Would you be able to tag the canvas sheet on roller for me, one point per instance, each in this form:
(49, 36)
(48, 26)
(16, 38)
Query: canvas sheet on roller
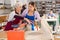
(46, 28)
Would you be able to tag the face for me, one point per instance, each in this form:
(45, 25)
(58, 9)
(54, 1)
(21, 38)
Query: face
(18, 9)
(30, 7)
(51, 12)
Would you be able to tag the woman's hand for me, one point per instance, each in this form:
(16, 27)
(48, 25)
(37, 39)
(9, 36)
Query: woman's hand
(27, 20)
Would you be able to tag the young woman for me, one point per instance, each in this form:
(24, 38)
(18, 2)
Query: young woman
(31, 13)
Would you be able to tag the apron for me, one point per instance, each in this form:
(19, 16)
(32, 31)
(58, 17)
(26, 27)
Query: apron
(31, 18)
(13, 24)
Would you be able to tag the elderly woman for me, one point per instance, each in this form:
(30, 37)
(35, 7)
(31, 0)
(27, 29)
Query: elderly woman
(31, 13)
(15, 19)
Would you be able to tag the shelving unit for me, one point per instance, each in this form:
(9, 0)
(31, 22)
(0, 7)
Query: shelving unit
(45, 6)
(5, 7)
(1, 3)
(40, 7)
(58, 8)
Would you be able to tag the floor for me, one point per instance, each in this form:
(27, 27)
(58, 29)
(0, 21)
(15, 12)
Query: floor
(36, 35)
(30, 35)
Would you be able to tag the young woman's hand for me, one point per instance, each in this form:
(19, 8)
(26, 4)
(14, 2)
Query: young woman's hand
(27, 20)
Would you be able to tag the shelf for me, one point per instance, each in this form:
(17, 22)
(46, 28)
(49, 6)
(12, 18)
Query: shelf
(48, 5)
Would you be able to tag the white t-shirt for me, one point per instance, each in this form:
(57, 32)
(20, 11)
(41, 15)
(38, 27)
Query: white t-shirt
(11, 16)
(51, 15)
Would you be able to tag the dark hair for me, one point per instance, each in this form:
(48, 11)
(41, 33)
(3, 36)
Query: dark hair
(33, 4)
(51, 9)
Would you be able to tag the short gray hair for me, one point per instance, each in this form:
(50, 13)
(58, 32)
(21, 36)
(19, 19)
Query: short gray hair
(17, 4)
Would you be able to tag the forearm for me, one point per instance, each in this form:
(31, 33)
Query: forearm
(27, 20)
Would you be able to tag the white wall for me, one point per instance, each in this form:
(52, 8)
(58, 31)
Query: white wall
(22, 1)
(25, 1)
(40, 0)
(7, 1)
(1, 1)
(13, 2)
